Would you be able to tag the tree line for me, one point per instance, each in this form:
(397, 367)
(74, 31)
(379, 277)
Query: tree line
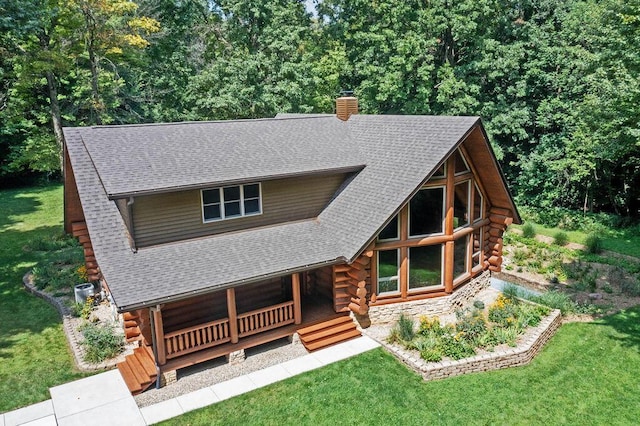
(556, 82)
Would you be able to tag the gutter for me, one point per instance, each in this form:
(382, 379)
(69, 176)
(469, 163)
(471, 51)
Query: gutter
(160, 301)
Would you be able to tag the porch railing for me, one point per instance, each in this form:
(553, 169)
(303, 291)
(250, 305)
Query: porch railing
(265, 319)
(198, 337)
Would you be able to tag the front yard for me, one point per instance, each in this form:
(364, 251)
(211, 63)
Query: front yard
(586, 375)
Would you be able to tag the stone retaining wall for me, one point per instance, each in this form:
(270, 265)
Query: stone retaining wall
(437, 306)
(530, 345)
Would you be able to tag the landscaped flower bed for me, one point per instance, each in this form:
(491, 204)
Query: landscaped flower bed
(476, 328)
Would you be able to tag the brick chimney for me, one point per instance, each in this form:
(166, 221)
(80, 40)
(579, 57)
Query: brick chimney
(346, 105)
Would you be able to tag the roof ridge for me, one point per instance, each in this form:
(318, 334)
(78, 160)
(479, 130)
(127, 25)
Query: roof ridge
(178, 123)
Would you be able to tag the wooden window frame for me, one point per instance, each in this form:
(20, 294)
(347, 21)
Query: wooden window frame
(446, 239)
(242, 200)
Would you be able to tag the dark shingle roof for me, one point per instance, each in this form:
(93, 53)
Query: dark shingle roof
(142, 158)
(399, 154)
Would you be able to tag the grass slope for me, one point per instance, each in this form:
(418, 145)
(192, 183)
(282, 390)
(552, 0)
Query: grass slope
(33, 349)
(587, 375)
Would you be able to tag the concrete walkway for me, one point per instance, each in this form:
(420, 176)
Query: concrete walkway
(104, 400)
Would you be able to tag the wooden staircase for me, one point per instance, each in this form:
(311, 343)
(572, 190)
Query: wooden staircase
(138, 370)
(327, 333)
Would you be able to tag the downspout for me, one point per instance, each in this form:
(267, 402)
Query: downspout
(154, 346)
(131, 227)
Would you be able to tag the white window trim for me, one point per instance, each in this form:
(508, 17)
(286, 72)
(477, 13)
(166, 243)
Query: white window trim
(428, 287)
(444, 213)
(222, 202)
(476, 192)
(466, 164)
(469, 211)
(396, 277)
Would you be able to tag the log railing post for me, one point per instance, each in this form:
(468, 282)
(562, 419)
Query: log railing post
(159, 332)
(233, 317)
(297, 308)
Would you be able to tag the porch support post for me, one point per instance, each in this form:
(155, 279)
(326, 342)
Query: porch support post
(233, 317)
(295, 289)
(159, 332)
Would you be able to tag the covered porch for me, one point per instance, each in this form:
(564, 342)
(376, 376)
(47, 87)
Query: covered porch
(209, 326)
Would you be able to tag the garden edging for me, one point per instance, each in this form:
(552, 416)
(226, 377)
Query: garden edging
(533, 341)
(69, 324)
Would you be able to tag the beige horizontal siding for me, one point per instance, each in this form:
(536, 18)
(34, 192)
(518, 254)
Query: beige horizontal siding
(177, 216)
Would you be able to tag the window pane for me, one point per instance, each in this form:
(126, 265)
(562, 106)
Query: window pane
(388, 271)
(477, 203)
(251, 206)
(425, 266)
(440, 172)
(460, 256)
(251, 191)
(426, 211)
(232, 193)
(232, 209)
(212, 212)
(461, 205)
(390, 232)
(461, 166)
(210, 196)
(477, 247)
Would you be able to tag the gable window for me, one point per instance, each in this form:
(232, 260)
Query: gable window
(426, 211)
(230, 202)
(435, 242)
(391, 231)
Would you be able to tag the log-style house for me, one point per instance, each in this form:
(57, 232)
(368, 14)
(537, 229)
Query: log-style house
(214, 237)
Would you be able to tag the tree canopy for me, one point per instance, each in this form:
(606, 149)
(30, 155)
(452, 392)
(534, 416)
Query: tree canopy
(556, 82)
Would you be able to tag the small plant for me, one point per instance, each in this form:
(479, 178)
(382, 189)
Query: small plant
(403, 331)
(593, 244)
(630, 286)
(87, 308)
(471, 324)
(82, 273)
(560, 239)
(528, 230)
(478, 304)
(101, 342)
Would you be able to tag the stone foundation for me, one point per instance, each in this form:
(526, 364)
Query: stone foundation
(168, 377)
(236, 357)
(437, 306)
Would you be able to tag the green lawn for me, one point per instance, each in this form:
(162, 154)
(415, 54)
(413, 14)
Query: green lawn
(33, 349)
(623, 242)
(587, 375)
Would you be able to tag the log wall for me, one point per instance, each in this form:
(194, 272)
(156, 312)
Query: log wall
(352, 285)
(499, 220)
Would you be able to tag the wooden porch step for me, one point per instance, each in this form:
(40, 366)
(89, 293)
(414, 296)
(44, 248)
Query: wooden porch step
(328, 333)
(129, 378)
(138, 370)
(145, 360)
(324, 324)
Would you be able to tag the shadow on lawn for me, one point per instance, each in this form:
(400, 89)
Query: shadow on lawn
(627, 324)
(20, 311)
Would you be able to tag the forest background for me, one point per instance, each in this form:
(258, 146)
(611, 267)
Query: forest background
(556, 82)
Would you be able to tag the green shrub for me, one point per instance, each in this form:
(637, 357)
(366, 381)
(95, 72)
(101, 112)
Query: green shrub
(432, 327)
(630, 286)
(403, 331)
(593, 244)
(100, 342)
(478, 304)
(560, 239)
(508, 335)
(470, 324)
(528, 230)
(456, 347)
